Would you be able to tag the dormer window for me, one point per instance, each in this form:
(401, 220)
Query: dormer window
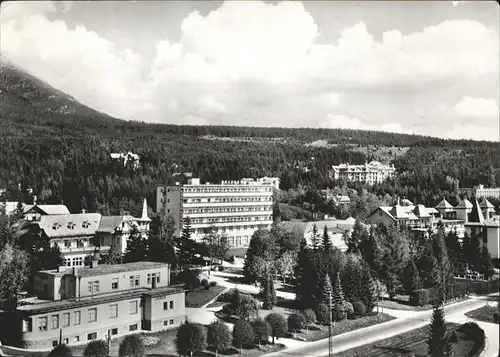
(71, 225)
(56, 226)
(86, 224)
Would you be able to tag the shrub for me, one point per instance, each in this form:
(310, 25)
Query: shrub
(96, 348)
(261, 329)
(213, 283)
(309, 316)
(131, 346)
(495, 317)
(424, 297)
(60, 351)
(278, 325)
(219, 336)
(296, 322)
(204, 283)
(349, 310)
(322, 314)
(191, 338)
(359, 308)
(472, 331)
(454, 337)
(242, 333)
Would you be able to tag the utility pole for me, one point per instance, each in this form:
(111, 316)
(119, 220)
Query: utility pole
(330, 342)
(109, 341)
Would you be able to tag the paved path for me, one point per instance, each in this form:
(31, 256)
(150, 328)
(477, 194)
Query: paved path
(388, 329)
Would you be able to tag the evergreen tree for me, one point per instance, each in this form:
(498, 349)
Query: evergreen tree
(13, 276)
(326, 291)
(486, 266)
(306, 277)
(472, 251)
(338, 293)
(352, 278)
(441, 253)
(136, 250)
(276, 211)
(358, 236)
(327, 244)
(438, 343)
(430, 274)
(260, 246)
(411, 281)
(161, 250)
(372, 251)
(455, 253)
(268, 292)
(315, 237)
(396, 250)
(184, 245)
(369, 295)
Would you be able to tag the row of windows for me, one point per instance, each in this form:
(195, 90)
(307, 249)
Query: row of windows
(230, 229)
(93, 335)
(229, 219)
(227, 199)
(228, 209)
(43, 321)
(225, 189)
(73, 262)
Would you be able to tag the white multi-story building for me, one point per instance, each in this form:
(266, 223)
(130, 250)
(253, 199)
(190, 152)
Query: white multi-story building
(234, 208)
(480, 191)
(370, 173)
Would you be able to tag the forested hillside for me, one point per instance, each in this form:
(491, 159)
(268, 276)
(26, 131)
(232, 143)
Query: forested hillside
(61, 149)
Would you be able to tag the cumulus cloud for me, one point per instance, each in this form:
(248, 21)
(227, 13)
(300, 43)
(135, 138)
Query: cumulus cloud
(258, 61)
(478, 109)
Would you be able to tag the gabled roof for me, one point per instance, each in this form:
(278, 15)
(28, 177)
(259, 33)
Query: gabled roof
(476, 215)
(464, 204)
(67, 225)
(48, 209)
(485, 203)
(109, 224)
(406, 202)
(444, 204)
(421, 211)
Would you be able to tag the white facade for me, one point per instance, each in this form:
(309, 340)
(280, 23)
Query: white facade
(235, 208)
(480, 191)
(370, 173)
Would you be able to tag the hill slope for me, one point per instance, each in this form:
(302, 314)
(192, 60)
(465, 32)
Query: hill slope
(61, 149)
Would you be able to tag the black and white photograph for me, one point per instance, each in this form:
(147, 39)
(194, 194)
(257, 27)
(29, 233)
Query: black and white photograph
(249, 178)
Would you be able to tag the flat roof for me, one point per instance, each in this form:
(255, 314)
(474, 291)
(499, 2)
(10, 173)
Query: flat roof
(39, 306)
(105, 269)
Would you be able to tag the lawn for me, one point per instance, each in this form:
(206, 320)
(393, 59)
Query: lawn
(484, 313)
(200, 297)
(318, 332)
(409, 344)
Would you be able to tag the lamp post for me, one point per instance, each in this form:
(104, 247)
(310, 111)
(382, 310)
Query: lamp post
(330, 343)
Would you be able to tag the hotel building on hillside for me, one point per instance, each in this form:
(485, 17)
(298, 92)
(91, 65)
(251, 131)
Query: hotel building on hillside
(235, 208)
(480, 191)
(82, 304)
(80, 235)
(369, 173)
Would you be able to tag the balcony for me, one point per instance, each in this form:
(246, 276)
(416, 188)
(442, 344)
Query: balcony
(85, 249)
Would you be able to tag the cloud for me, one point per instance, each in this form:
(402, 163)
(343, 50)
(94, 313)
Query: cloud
(477, 109)
(261, 64)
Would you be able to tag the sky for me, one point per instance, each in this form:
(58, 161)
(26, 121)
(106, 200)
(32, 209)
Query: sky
(423, 67)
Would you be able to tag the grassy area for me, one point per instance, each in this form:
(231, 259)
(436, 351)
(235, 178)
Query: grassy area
(484, 313)
(401, 305)
(200, 297)
(409, 344)
(318, 332)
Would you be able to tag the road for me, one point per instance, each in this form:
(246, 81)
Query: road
(379, 332)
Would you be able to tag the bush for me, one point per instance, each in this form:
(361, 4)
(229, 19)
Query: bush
(424, 297)
(359, 308)
(296, 322)
(204, 283)
(213, 283)
(349, 310)
(261, 329)
(309, 316)
(472, 331)
(219, 336)
(191, 338)
(322, 314)
(96, 348)
(60, 351)
(189, 277)
(454, 337)
(131, 346)
(221, 268)
(242, 334)
(495, 317)
(278, 325)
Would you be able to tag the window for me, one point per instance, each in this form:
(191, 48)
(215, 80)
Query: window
(77, 316)
(133, 307)
(113, 331)
(114, 283)
(66, 341)
(134, 280)
(55, 321)
(27, 325)
(113, 311)
(165, 305)
(165, 323)
(77, 338)
(132, 327)
(92, 336)
(157, 278)
(92, 315)
(42, 323)
(171, 304)
(66, 319)
(55, 343)
(96, 286)
(171, 322)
